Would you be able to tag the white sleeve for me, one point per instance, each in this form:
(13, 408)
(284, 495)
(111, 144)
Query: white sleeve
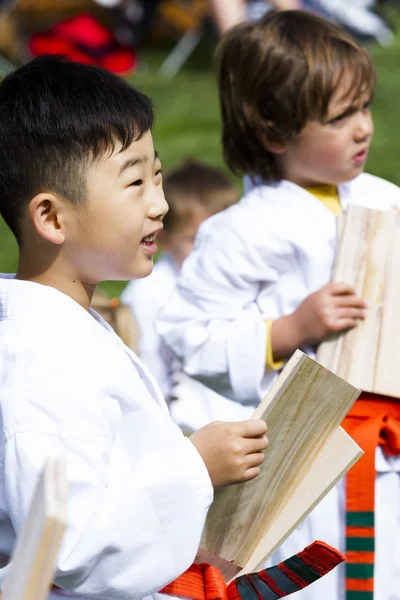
(136, 509)
(212, 323)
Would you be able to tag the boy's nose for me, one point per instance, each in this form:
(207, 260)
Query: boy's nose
(365, 127)
(159, 206)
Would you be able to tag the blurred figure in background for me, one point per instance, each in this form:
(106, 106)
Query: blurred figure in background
(132, 19)
(107, 32)
(118, 316)
(194, 192)
(228, 13)
(356, 16)
(81, 30)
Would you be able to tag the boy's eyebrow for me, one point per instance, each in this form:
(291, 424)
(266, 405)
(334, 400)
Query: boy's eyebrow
(349, 109)
(345, 112)
(133, 161)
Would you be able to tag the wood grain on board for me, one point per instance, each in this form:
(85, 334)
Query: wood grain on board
(337, 456)
(303, 409)
(30, 573)
(369, 259)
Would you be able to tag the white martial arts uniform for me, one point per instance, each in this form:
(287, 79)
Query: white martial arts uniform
(259, 260)
(138, 489)
(192, 405)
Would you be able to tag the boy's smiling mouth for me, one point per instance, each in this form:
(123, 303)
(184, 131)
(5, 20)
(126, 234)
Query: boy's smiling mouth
(148, 242)
(148, 239)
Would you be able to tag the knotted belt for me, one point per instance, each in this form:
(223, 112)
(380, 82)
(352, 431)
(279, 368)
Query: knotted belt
(205, 582)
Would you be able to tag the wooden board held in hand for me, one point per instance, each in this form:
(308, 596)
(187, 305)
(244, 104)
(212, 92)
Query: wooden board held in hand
(336, 457)
(34, 558)
(303, 409)
(369, 260)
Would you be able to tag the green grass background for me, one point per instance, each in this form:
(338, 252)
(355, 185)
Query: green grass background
(188, 123)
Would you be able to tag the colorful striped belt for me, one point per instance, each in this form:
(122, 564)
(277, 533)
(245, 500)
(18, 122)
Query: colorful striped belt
(205, 582)
(373, 421)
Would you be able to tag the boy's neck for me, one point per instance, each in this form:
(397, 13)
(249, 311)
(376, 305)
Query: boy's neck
(54, 277)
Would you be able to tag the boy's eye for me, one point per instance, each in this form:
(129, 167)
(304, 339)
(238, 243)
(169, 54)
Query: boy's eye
(159, 172)
(349, 112)
(338, 118)
(138, 182)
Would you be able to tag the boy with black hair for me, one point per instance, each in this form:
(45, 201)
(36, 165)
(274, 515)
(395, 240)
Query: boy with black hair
(81, 188)
(295, 93)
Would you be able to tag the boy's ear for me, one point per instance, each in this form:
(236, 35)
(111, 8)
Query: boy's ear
(45, 211)
(274, 147)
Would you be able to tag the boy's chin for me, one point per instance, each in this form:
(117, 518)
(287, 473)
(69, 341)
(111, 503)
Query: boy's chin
(143, 271)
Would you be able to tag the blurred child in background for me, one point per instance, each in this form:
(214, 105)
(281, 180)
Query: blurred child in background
(194, 191)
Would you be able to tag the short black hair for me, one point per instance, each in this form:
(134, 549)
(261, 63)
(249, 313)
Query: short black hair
(56, 118)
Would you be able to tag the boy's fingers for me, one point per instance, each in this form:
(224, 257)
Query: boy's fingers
(338, 289)
(255, 459)
(353, 300)
(253, 428)
(250, 474)
(351, 313)
(257, 444)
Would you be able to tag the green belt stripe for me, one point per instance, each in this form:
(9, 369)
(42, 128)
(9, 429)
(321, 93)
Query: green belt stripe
(360, 543)
(360, 519)
(359, 571)
(359, 595)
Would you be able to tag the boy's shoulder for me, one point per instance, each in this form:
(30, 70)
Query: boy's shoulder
(56, 362)
(372, 192)
(367, 179)
(43, 323)
(257, 211)
(259, 228)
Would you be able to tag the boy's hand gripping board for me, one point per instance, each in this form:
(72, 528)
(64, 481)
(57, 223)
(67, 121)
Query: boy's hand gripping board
(308, 454)
(368, 259)
(30, 572)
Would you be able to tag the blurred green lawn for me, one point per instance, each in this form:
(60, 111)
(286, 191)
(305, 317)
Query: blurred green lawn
(188, 124)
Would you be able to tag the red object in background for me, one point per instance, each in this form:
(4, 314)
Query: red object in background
(85, 40)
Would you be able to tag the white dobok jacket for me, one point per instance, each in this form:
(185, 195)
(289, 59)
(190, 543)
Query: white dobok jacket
(257, 260)
(138, 490)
